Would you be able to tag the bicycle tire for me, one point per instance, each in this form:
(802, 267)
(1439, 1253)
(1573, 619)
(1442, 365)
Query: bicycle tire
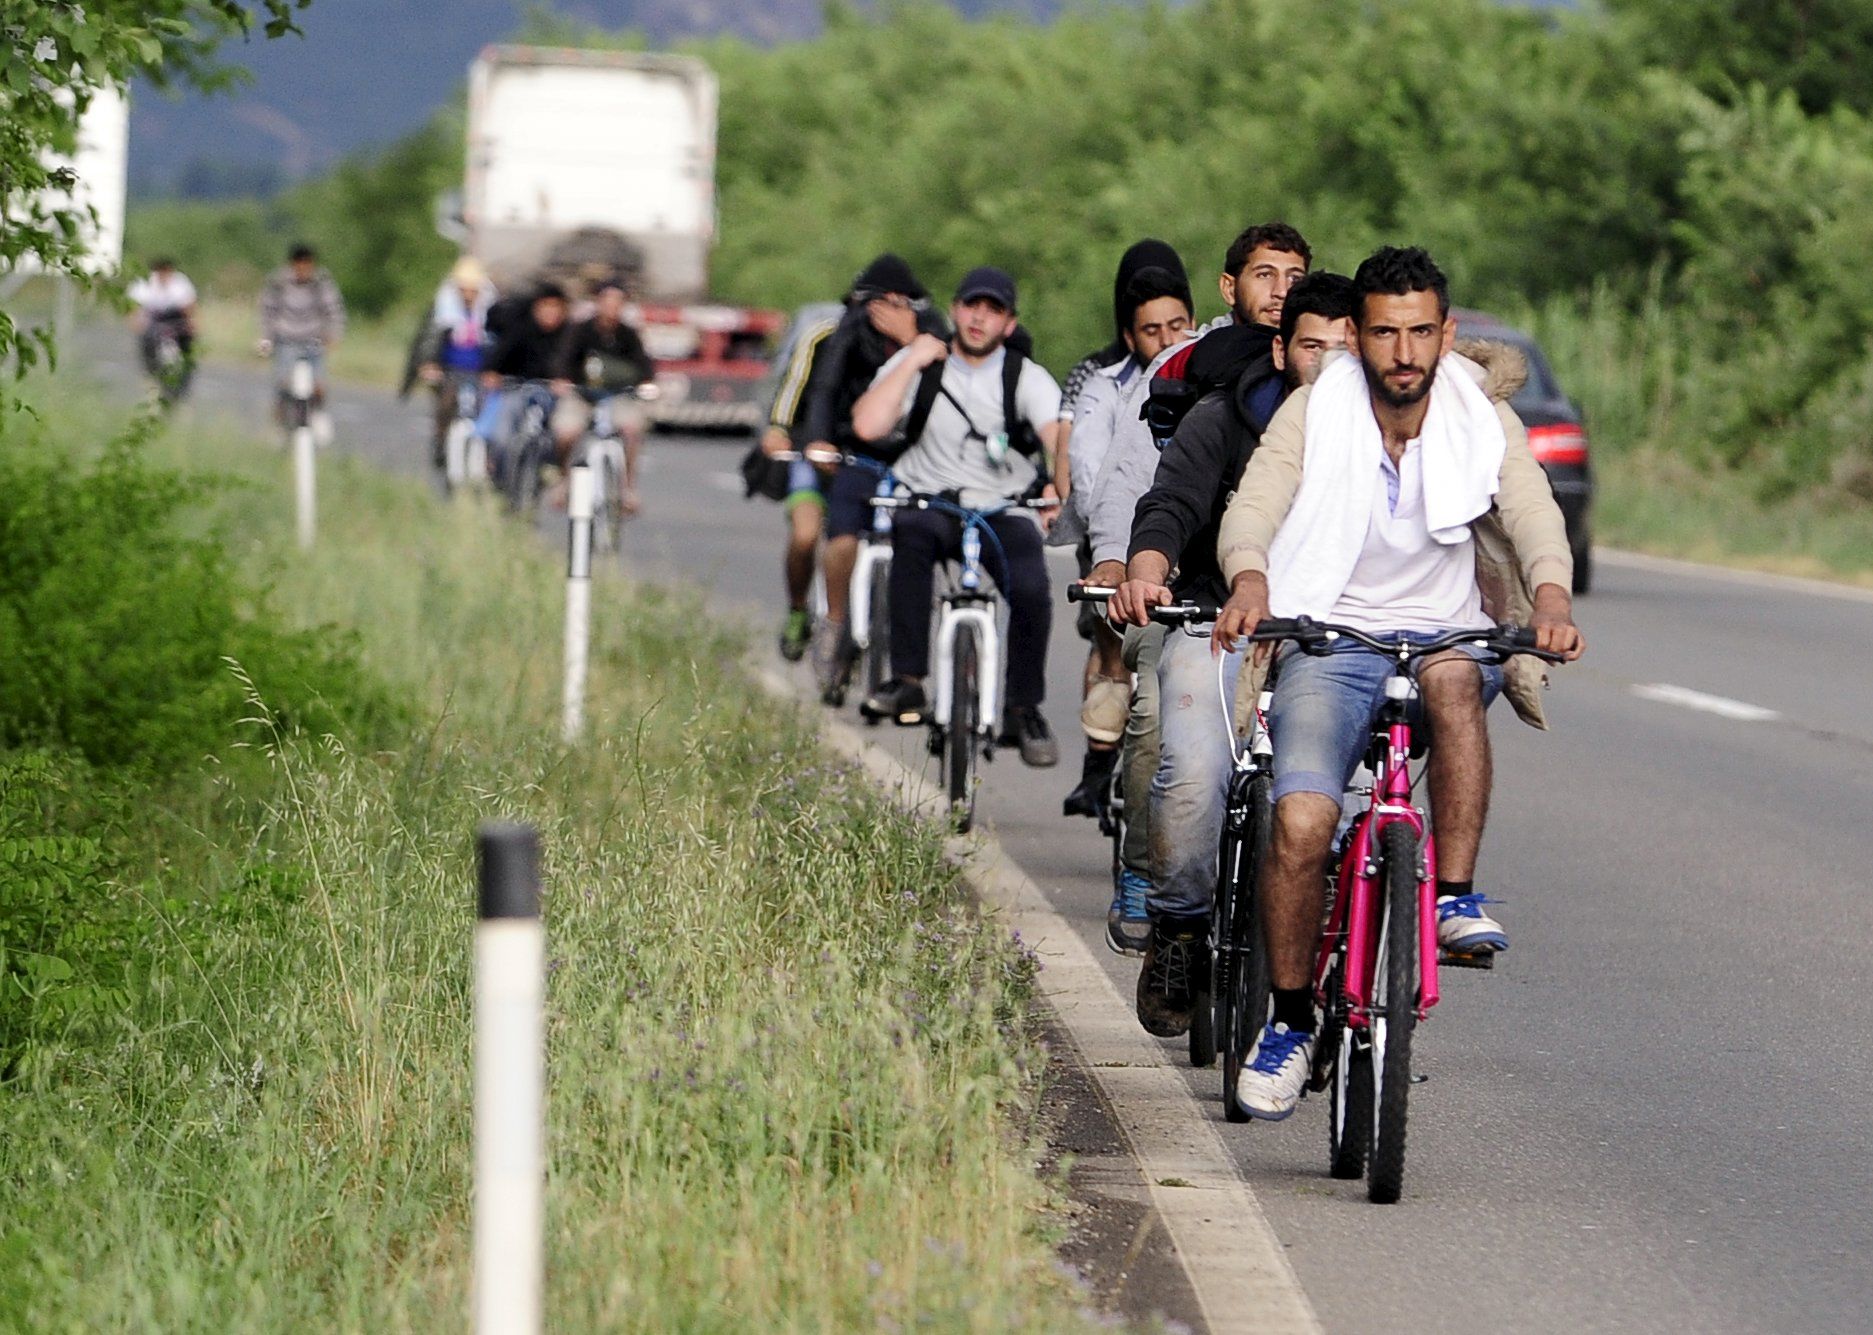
(960, 742)
(608, 518)
(455, 455)
(1349, 1107)
(878, 634)
(523, 491)
(1242, 972)
(1392, 1029)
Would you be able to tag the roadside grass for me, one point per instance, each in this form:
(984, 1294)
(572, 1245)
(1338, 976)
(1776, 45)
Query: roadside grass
(1655, 503)
(790, 1069)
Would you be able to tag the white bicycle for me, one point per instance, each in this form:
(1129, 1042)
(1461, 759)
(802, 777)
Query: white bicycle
(603, 451)
(966, 681)
(464, 452)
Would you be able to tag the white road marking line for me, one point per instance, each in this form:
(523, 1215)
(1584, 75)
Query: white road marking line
(1720, 705)
(1236, 1265)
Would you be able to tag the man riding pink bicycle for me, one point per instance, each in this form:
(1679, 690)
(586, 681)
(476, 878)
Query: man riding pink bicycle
(1396, 496)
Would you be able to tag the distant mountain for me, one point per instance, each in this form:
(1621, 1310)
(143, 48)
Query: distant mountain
(368, 71)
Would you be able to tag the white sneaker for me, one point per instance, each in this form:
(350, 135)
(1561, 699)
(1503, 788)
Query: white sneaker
(1463, 927)
(1274, 1073)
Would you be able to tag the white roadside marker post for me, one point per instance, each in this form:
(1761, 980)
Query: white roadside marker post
(302, 388)
(578, 599)
(510, 1076)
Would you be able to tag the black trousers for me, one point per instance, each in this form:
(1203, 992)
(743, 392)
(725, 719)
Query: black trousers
(921, 538)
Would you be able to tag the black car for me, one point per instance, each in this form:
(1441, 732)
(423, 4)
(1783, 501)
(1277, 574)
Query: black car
(1556, 434)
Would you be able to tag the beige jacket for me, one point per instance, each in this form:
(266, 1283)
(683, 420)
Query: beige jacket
(1521, 543)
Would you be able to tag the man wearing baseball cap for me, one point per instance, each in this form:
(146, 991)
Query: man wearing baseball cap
(973, 420)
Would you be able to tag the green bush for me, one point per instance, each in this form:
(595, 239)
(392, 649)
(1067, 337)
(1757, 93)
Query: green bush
(119, 622)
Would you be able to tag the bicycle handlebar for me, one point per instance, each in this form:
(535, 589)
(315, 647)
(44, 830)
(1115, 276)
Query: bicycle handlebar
(1167, 614)
(1319, 637)
(921, 501)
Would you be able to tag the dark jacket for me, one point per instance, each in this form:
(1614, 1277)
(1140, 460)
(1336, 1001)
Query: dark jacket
(622, 361)
(525, 351)
(845, 364)
(1181, 514)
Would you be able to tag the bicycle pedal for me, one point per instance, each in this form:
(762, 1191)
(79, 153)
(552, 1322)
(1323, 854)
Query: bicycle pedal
(1466, 959)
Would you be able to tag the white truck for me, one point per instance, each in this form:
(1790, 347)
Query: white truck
(589, 164)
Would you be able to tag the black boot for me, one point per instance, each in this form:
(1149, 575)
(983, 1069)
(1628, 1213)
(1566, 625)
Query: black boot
(1089, 798)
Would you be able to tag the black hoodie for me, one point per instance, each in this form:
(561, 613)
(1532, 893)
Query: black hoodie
(1182, 513)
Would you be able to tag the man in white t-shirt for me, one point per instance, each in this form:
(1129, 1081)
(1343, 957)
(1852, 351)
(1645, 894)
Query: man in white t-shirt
(965, 440)
(165, 299)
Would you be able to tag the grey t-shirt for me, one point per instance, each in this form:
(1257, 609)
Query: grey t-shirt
(953, 453)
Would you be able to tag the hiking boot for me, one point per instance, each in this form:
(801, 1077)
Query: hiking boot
(900, 701)
(1023, 726)
(1089, 798)
(1128, 925)
(796, 632)
(1167, 986)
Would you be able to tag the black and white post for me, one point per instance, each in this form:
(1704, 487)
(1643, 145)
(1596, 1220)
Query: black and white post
(578, 599)
(510, 1078)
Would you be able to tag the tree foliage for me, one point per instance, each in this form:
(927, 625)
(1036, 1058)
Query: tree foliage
(57, 55)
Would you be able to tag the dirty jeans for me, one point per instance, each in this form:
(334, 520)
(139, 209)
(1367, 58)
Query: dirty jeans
(1192, 781)
(1143, 644)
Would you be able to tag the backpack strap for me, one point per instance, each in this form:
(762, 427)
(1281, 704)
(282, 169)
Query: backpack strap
(1020, 434)
(929, 386)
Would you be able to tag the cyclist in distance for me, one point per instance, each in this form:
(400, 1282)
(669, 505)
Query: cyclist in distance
(964, 448)
(457, 339)
(1360, 507)
(886, 308)
(805, 501)
(1105, 691)
(165, 299)
(1172, 526)
(605, 354)
(302, 314)
(534, 346)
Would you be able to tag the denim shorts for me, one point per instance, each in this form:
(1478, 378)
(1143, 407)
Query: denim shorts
(1323, 712)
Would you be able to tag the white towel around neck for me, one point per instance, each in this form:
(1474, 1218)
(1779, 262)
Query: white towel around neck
(1460, 446)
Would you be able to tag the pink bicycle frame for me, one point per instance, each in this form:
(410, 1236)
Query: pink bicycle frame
(1355, 906)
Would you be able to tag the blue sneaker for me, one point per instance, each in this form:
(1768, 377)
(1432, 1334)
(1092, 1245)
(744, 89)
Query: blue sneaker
(1275, 1072)
(1464, 929)
(1128, 926)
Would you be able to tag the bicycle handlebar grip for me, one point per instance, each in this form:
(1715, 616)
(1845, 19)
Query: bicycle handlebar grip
(1284, 628)
(1522, 637)
(1088, 593)
(1181, 614)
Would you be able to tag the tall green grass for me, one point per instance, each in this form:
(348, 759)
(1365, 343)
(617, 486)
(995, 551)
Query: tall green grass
(790, 1069)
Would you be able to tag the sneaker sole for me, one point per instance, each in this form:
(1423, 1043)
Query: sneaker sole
(1492, 941)
(1119, 946)
(1263, 1115)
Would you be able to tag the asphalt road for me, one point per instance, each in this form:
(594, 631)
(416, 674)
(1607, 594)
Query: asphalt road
(1657, 1111)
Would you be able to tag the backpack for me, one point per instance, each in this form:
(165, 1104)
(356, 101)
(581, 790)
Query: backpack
(1214, 361)
(930, 386)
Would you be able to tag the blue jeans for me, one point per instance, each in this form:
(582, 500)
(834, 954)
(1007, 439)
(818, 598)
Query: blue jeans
(1323, 712)
(1192, 782)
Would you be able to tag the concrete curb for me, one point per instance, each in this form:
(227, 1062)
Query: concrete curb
(1230, 1254)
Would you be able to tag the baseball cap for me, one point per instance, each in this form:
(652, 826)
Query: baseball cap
(990, 282)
